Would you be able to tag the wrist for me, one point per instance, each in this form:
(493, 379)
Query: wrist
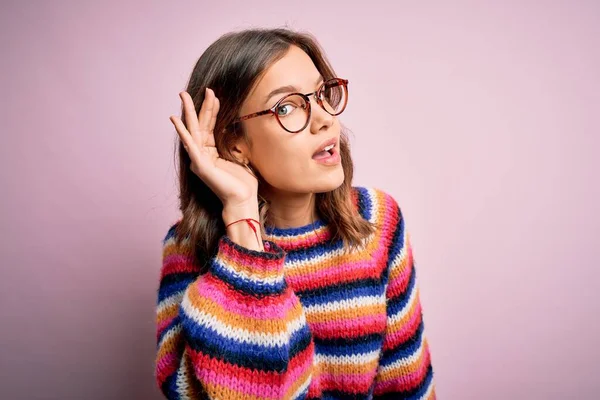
(240, 229)
(234, 213)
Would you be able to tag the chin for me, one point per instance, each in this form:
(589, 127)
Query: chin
(330, 181)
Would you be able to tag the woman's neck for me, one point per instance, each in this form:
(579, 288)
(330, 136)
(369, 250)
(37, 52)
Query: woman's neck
(290, 210)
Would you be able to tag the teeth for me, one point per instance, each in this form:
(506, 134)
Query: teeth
(328, 147)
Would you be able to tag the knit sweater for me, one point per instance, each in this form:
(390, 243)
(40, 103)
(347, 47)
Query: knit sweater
(300, 320)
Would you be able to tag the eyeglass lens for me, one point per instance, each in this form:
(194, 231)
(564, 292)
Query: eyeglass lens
(293, 111)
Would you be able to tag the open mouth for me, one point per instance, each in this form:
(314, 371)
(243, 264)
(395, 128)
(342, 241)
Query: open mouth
(328, 151)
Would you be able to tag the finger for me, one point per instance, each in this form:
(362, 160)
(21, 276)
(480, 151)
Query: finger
(186, 138)
(206, 112)
(215, 112)
(192, 148)
(204, 169)
(189, 111)
(183, 133)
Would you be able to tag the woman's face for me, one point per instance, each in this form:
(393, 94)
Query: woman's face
(284, 159)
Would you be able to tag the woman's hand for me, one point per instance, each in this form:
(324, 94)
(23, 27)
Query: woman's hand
(232, 183)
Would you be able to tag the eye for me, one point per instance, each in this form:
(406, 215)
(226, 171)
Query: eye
(286, 108)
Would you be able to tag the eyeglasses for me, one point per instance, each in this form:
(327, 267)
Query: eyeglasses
(293, 111)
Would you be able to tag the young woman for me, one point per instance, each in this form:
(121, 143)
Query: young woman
(282, 280)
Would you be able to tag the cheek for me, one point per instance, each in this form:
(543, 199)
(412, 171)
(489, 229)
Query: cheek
(286, 168)
(279, 163)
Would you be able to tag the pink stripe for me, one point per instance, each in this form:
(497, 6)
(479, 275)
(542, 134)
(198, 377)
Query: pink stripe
(251, 388)
(348, 268)
(338, 271)
(352, 380)
(177, 258)
(260, 265)
(387, 218)
(301, 368)
(347, 324)
(161, 326)
(406, 331)
(263, 312)
(308, 240)
(166, 365)
(402, 279)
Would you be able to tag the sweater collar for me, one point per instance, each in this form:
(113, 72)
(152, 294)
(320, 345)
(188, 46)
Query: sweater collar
(305, 236)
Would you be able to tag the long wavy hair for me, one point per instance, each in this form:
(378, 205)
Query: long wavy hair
(231, 66)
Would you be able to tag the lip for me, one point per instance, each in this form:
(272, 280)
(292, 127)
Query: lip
(334, 159)
(326, 143)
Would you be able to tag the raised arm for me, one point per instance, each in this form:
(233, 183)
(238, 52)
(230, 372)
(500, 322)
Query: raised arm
(236, 332)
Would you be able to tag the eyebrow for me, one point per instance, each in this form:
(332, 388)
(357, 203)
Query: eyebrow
(288, 89)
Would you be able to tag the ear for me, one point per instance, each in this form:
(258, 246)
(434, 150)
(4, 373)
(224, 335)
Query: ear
(240, 151)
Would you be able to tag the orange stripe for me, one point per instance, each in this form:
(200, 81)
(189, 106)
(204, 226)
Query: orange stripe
(400, 268)
(173, 248)
(432, 394)
(357, 369)
(345, 313)
(168, 346)
(167, 312)
(224, 392)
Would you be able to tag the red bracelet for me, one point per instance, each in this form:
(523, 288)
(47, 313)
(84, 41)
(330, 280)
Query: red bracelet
(251, 226)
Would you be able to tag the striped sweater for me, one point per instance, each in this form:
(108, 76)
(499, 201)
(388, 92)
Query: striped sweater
(300, 320)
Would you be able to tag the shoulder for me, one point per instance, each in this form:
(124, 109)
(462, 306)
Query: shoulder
(171, 234)
(381, 208)
(173, 242)
(177, 248)
(377, 205)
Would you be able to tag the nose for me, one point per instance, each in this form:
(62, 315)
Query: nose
(320, 119)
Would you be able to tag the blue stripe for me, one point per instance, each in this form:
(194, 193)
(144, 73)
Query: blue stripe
(361, 287)
(174, 283)
(424, 385)
(405, 349)
(344, 347)
(169, 290)
(170, 233)
(398, 303)
(245, 285)
(302, 255)
(169, 387)
(396, 245)
(365, 203)
(267, 358)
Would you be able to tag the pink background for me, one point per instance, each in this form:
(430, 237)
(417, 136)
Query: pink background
(481, 119)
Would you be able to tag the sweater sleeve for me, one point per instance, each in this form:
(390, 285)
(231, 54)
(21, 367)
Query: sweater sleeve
(405, 370)
(237, 331)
